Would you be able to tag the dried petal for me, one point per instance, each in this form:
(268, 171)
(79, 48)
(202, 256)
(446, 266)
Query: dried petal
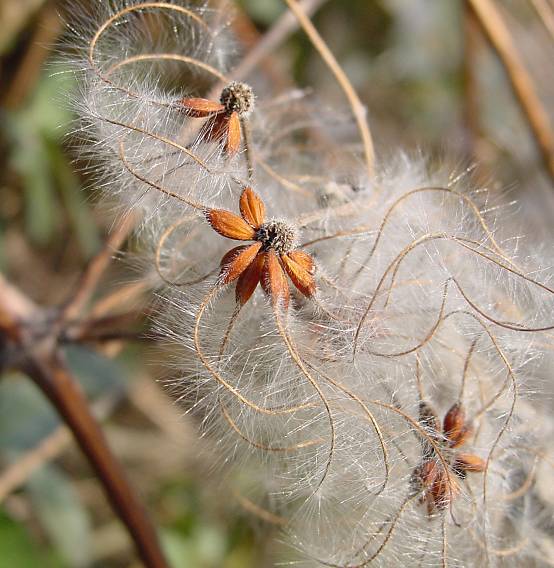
(249, 279)
(304, 259)
(424, 478)
(300, 277)
(215, 129)
(252, 208)
(200, 108)
(236, 261)
(230, 225)
(438, 489)
(424, 475)
(454, 426)
(232, 141)
(230, 255)
(468, 462)
(274, 281)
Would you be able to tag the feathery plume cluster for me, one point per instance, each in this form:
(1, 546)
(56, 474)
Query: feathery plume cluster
(382, 378)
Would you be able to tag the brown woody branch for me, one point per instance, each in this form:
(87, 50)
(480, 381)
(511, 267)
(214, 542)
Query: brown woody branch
(38, 355)
(53, 378)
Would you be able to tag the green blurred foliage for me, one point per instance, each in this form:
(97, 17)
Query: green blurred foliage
(35, 135)
(19, 549)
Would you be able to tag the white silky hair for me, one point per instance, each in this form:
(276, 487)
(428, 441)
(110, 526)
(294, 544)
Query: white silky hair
(424, 293)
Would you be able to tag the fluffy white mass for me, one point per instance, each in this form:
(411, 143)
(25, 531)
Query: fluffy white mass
(424, 301)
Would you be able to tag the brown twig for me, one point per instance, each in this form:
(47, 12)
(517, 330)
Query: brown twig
(358, 109)
(546, 14)
(39, 357)
(52, 377)
(47, 449)
(282, 28)
(47, 30)
(250, 37)
(497, 33)
(472, 125)
(18, 473)
(94, 271)
(125, 296)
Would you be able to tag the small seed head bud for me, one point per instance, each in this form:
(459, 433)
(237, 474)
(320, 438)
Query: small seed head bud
(277, 235)
(238, 97)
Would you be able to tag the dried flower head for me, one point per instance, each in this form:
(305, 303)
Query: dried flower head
(265, 261)
(237, 101)
(431, 478)
(238, 98)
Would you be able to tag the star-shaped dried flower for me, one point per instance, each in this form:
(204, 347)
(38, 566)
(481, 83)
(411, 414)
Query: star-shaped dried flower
(236, 102)
(437, 486)
(268, 259)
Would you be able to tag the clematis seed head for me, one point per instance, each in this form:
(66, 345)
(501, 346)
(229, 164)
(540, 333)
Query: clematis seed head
(238, 97)
(278, 236)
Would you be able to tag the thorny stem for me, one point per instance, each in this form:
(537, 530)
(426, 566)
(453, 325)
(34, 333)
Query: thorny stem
(358, 109)
(496, 31)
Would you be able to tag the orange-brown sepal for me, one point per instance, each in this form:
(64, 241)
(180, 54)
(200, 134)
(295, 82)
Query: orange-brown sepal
(304, 259)
(438, 489)
(455, 427)
(233, 136)
(301, 278)
(249, 279)
(237, 261)
(252, 208)
(274, 281)
(230, 225)
(200, 108)
(468, 462)
(216, 128)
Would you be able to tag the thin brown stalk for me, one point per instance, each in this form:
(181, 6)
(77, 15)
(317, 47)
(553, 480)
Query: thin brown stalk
(258, 511)
(471, 110)
(127, 295)
(96, 268)
(16, 474)
(358, 109)
(546, 14)
(47, 30)
(282, 28)
(49, 448)
(497, 33)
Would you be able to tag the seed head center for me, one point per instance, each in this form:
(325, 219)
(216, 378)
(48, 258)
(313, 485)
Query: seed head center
(238, 97)
(277, 236)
